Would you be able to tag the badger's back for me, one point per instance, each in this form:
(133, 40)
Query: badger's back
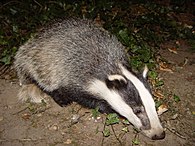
(69, 52)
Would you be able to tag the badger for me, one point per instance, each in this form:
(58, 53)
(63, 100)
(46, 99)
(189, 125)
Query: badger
(74, 60)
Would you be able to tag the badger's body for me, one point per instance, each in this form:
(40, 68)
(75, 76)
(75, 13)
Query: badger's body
(73, 60)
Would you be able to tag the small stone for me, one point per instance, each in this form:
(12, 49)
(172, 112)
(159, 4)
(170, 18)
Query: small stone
(98, 118)
(1, 119)
(39, 115)
(53, 128)
(174, 116)
(68, 141)
(75, 118)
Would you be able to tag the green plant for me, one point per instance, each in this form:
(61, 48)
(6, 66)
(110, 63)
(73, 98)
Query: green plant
(95, 112)
(112, 118)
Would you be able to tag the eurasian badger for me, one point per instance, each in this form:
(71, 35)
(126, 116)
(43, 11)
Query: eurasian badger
(74, 60)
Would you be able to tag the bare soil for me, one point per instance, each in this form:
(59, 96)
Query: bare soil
(25, 124)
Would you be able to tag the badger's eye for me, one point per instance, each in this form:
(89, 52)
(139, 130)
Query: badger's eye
(137, 110)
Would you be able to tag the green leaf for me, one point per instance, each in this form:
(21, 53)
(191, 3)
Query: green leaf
(3, 41)
(176, 98)
(125, 121)
(158, 103)
(15, 28)
(135, 142)
(125, 129)
(6, 60)
(152, 74)
(95, 112)
(106, 132)
(124, 36)
(159, 83)
(97, 130)
(112, 119)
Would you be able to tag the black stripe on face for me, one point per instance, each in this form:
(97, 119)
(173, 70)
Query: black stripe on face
(141, 114)
(131, 96)
(116, 84)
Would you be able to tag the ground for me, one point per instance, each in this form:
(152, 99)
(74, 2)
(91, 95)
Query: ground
(25, 124)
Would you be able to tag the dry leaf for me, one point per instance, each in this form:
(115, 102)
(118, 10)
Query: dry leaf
(161, 109)
(26, 116)
(177, 43)
(184, 63)
(158, 94)
(173, 50)
(164, 67)
(68, 141)
(193, 112)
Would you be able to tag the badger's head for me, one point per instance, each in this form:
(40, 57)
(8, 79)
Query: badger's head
(131, 97)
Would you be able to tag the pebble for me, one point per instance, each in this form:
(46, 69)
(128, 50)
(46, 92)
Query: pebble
(39, 115)
(1, 119)
(68, 141)
(75, 118)
(54, 128)
(174, 116)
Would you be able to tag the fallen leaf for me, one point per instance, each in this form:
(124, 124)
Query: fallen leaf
(193, 113)
(26, 116)
(164, 67)
(158, 94)
(161, 109)
(68, 141)
(173, 50)
(183, 63)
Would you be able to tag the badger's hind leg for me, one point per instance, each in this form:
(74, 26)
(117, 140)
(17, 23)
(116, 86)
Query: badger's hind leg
(31, 93)
(60, 97)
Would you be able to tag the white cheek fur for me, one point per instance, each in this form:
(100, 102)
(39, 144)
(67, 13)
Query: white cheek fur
(100, 89)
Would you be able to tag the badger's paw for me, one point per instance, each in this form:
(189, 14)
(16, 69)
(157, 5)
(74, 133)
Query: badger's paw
(32, 93)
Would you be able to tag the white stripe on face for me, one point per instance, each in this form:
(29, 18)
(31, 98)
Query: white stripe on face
(146, 98)
(99, 88)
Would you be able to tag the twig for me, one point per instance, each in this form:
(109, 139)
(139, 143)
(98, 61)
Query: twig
(40, 110)
(38, 5)
(20, 111)
(116, 135)
(135, 137)
(102, 143)
(29, 139)
(176, 133)
(10, 3)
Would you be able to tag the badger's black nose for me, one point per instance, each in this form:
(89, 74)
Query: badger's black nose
(158, 137)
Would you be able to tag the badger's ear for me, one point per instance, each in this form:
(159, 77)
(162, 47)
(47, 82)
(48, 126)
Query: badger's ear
(145, 72)
(116, 81)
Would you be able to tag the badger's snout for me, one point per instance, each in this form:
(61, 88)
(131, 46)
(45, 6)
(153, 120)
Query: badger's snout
(155, 134)
(159, 136)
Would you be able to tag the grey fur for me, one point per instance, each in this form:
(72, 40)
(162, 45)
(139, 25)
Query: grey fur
(69, 52)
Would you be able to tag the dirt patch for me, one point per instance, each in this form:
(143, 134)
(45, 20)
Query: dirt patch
(25, 124)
